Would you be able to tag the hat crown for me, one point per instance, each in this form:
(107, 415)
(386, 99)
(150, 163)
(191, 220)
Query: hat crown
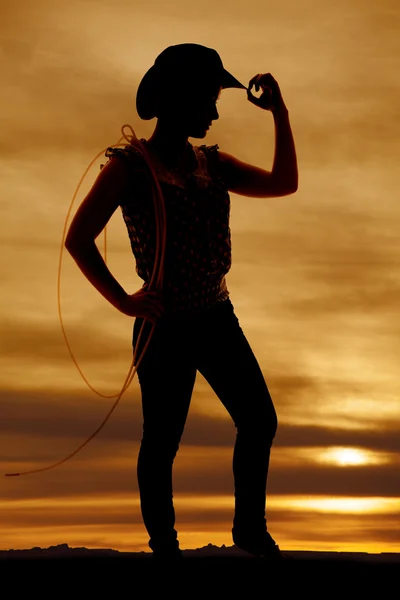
(189, 55)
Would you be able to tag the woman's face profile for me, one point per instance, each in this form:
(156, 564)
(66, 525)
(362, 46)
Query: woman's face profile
(191, 110)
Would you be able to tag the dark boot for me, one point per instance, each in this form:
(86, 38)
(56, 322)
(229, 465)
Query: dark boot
(257, 544)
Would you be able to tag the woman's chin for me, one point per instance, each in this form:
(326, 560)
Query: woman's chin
(199, 132)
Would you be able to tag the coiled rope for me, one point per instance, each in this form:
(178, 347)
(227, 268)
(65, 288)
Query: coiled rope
(156, 283)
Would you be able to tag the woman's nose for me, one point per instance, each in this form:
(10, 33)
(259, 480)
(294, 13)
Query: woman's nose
(215, 114)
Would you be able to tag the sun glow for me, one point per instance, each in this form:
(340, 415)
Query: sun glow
(346, 504)
(349, 457)
(114, 504)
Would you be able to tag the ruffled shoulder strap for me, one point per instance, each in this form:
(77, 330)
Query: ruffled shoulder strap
(214, 165)
(131, 154)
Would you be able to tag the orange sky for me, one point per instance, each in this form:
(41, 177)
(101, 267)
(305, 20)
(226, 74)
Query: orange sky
(315, 279)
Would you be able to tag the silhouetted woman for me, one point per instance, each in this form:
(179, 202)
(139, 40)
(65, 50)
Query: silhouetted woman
(196, 326)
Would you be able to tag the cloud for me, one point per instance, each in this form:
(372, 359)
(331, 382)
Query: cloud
(36, 431)
(93, 76)
(336, 532)
(115, 522)
(61, 416)
(385, 439)
(43, 342)
(314, 277)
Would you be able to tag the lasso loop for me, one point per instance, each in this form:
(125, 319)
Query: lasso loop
(155, 282)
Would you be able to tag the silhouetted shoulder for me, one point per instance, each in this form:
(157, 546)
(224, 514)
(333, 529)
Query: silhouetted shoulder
(134, 165)
(130, 155)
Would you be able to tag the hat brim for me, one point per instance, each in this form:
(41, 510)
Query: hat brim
(147, 92)
(229, 81)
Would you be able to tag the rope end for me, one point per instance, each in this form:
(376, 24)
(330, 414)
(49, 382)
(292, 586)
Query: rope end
(12, 474)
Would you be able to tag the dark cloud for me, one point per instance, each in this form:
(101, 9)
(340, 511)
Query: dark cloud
(372, 481)
(383, 439)
(37, 433)
(345, 529)
(341, 527)
(192, 475)
(62, 416)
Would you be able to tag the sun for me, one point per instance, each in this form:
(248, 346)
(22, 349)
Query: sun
(346, 457)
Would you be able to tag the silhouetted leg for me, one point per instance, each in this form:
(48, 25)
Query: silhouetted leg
(227, 362)
(166, 379)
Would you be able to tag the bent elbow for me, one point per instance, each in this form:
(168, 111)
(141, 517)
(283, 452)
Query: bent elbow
(292, 189)
(285, 186)
(74, 245)
(287, 190)
(70, 244)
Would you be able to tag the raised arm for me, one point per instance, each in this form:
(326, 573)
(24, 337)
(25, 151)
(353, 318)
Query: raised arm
(247, 179)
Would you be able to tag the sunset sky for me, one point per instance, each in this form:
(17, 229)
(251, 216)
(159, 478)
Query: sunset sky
(315, 279)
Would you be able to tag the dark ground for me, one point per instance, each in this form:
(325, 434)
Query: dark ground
(106, 574)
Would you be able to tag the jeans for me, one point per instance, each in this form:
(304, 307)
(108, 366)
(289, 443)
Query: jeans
(214, 344)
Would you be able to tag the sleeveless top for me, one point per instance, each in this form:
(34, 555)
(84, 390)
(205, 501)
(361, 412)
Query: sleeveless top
(198, 241)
